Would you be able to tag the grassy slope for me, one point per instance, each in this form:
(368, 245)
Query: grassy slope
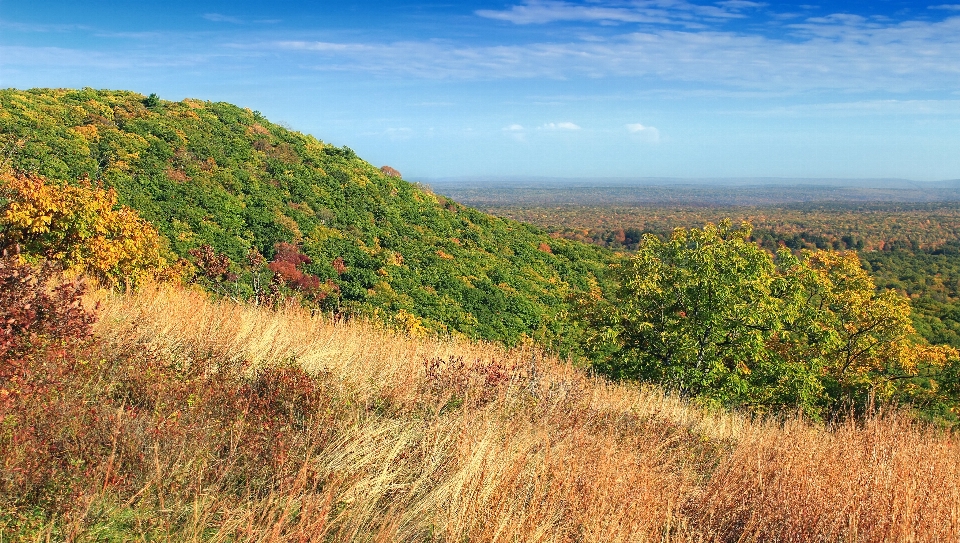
(218, 174)
(178, 439)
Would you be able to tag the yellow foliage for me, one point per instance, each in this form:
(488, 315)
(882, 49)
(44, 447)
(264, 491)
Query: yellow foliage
(89, 132)
(861, 337)
(82, 227)
(410, 324)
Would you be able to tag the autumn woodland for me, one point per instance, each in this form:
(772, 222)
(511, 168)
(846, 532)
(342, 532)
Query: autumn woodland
(215, 328)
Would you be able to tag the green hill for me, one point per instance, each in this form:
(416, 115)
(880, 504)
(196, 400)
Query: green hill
(216, 174)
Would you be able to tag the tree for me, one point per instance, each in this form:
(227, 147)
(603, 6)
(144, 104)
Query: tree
(152, 101)
(712, 315)
(390, 171)
(82, 228)
(860, 341)
(693, 312)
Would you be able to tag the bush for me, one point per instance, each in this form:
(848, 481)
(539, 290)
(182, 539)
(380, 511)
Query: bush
(33, 312)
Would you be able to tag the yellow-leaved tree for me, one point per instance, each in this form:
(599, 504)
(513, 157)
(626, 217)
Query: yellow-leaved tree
(860, 340)
(81, 227)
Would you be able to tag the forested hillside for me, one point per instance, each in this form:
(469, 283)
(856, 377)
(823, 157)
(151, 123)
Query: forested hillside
(117, 186)
(222, 181)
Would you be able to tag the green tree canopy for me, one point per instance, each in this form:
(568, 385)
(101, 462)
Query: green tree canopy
(713, 315)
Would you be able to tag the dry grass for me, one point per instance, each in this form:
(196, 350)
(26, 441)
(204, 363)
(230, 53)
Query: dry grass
(208, 432)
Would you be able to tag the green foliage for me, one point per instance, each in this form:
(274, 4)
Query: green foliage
(213, 174)
(692, 312)
(152, 101)
(931, 278)
(713, 315)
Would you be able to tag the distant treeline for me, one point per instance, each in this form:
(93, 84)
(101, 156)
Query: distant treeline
(695, 193)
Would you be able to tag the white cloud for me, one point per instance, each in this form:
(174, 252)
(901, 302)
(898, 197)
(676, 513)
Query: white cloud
(838, 52)
(516, 132)
(560, 126)
(43, 58)
(951, 7)
(833, 52)
(833, 110)
(548, 12)
(742, 4)
(324, 46)
(646, 134)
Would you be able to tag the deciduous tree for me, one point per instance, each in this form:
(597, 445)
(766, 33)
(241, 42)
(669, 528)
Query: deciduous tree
(81, 227)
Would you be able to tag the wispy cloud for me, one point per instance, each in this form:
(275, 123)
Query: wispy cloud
(677, 12)
(220, 18)
(828, 52)
(560, 126)
(839, 52)
(52, 58)
(646, 134)
(33, 27)
(516, 132)
(950, 7)
(132, 35)
(859, 108)
(742, 4)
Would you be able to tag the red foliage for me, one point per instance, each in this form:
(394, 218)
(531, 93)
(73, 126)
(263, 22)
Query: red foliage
(339, 266)
(31, 314)
(215, 266)
(288, 252)
(286, 269)
(77, 422)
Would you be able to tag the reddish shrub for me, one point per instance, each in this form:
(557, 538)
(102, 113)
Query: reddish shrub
(288, 252)
(213, 265)
(31, 313)
(390, 172)
(286, 268)
(43, 325)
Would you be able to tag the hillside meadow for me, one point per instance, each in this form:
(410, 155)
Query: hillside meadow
(182, 418)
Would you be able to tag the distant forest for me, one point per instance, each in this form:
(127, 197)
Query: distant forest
(551, 192)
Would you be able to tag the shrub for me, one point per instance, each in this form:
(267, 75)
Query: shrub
(390, 172)
(286, 268)
(32, 313)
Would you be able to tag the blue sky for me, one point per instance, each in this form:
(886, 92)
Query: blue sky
(677, 88)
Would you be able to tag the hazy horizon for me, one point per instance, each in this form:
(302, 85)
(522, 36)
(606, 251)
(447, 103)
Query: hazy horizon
(666, 181)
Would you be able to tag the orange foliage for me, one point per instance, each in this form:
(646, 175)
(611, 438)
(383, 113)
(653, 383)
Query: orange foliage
(83, 228)
(390, 172)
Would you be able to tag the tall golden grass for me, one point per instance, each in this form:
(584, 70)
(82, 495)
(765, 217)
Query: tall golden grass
(409, 439)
